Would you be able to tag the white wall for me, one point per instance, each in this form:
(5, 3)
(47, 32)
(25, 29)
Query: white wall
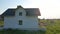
(29, 22)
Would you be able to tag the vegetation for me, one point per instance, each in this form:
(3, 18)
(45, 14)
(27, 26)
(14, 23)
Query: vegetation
(53, 27)
(20, 32)
(1, 23)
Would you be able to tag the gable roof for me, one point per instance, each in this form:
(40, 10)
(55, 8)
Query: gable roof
(29, 12)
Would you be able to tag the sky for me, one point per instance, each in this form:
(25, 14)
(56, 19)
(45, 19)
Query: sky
(49, 9)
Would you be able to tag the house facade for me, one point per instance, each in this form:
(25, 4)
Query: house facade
(21, 18)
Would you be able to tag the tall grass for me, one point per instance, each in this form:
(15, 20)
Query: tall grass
(52, 28)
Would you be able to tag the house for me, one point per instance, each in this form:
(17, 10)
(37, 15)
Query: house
(21, 18)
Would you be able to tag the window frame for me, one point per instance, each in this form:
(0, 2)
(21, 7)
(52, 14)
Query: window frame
(20, 22)
(20, 13)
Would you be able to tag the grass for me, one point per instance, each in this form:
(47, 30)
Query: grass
(52, 28)
(1, 23)
(20, 32)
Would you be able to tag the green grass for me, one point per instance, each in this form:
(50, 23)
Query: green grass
(20, 32)
(52, 28)
(1, 23)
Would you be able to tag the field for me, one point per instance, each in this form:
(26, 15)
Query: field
(1, 23)
(52, 27)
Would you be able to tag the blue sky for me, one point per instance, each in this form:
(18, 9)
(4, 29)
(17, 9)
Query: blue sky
(4, 4)
(48, 8)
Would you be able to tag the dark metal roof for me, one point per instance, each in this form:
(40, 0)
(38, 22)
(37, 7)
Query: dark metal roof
(9, 12)
(29, 12)
(32, 12)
